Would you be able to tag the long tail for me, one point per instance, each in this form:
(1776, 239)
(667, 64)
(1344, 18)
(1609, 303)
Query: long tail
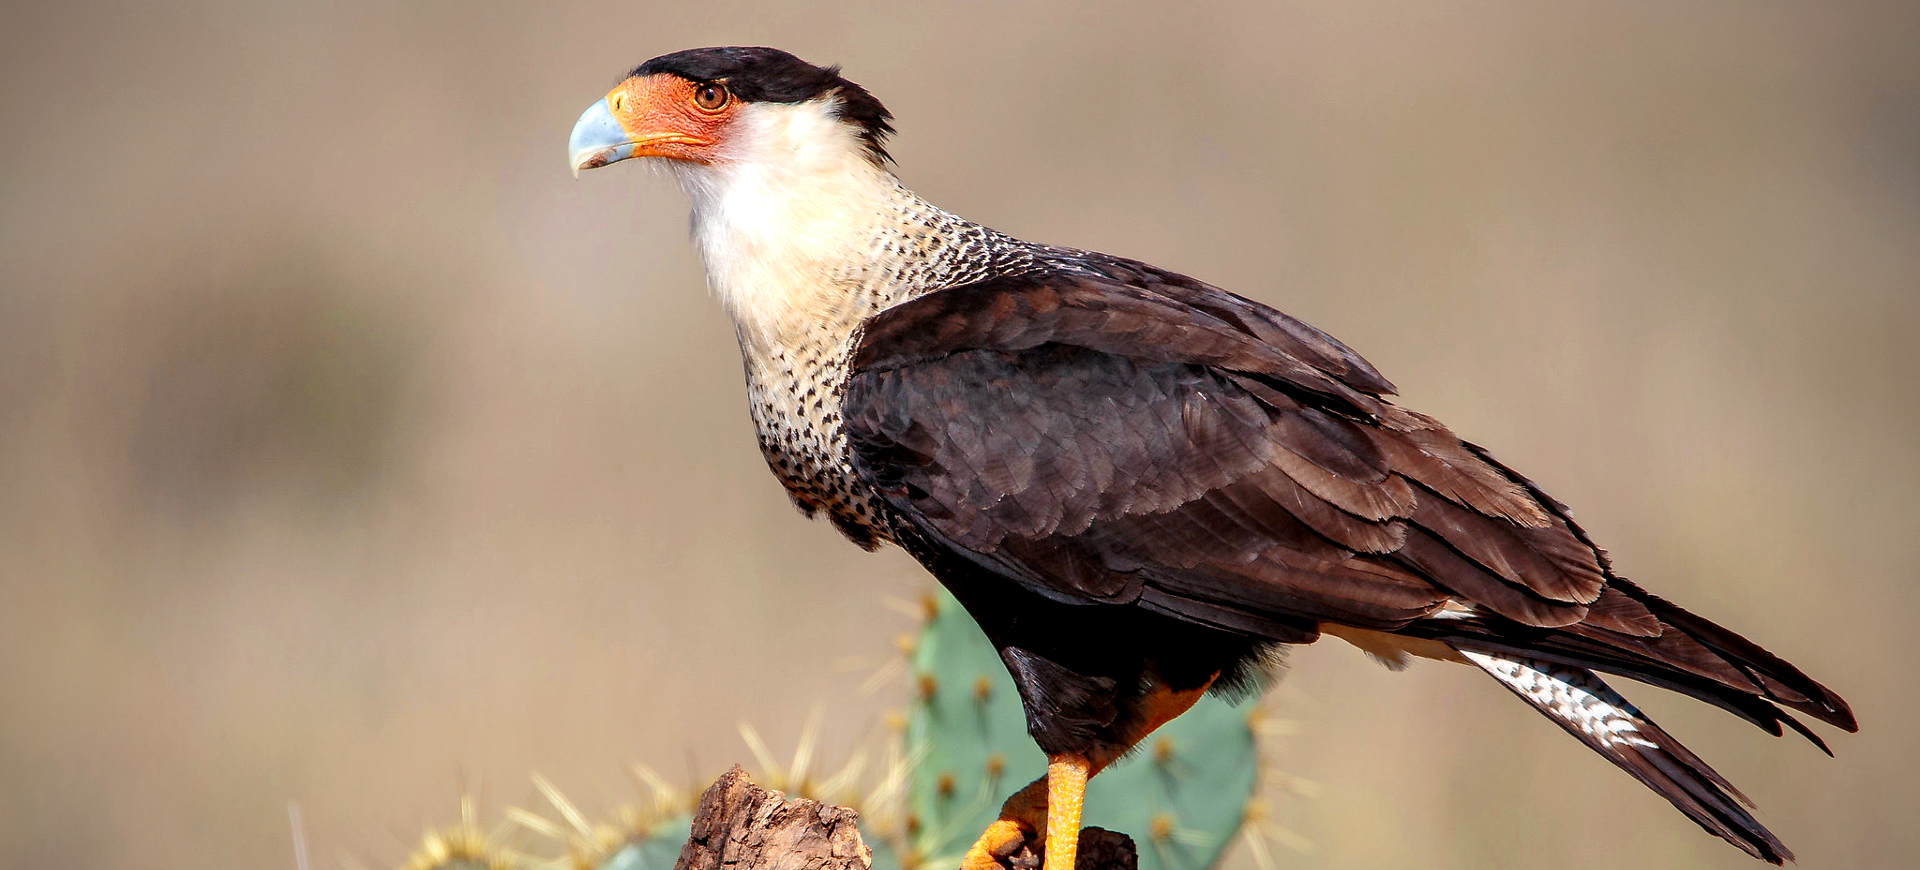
(1662, 644)
(1577, 700)
(1674, 650)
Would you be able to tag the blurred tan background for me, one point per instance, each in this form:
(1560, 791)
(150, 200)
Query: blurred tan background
(350, 451)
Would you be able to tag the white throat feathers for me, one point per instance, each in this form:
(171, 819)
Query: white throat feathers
(791, 218)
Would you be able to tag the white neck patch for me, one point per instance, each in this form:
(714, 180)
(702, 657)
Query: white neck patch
(784, 214)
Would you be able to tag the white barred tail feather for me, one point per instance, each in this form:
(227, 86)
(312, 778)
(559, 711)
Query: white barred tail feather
(1579, 701)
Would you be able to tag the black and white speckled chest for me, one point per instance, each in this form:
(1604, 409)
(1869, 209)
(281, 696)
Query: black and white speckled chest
(796, 388)
(795, 395)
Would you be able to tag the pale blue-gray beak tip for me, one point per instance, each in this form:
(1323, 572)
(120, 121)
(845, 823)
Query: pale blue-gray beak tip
(597, 140)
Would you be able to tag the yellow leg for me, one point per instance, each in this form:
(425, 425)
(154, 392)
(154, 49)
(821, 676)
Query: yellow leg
(1053, 802)
(1066, 794)
(1050, 804)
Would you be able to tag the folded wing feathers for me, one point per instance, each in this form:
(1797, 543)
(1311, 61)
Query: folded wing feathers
(1779, 680)
(1617, 612)
(1337, 457)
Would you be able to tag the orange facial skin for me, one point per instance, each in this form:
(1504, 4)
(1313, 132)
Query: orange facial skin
(661, 114)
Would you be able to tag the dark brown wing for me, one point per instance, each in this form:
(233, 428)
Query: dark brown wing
(1122, 434)
(1113, 441)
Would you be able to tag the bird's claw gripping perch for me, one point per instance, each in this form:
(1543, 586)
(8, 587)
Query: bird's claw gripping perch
(1051, 804)
(996, 845)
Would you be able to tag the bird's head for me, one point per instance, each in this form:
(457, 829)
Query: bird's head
(785, 166)
(720, 106)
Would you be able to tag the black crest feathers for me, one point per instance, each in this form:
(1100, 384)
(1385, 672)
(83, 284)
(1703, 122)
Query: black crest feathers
(769, 75)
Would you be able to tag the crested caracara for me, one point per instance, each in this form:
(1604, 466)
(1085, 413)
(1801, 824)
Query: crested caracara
(1138, 484)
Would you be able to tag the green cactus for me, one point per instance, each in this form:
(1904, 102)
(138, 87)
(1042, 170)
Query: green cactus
(1182, 798)
(657, 851)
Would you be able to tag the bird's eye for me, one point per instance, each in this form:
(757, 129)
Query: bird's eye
(710, 97)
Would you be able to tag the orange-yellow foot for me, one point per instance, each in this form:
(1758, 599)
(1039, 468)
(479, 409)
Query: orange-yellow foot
(1022, 817)
(1001, 839)
(1050, 804)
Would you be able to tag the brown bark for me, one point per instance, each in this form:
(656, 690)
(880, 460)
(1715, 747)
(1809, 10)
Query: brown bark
(741, 826)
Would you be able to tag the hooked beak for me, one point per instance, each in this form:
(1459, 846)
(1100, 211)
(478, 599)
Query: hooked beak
(598, 139)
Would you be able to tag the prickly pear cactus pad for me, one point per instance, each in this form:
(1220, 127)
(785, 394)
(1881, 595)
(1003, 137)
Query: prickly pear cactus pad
(658, 851)
(1182, 796)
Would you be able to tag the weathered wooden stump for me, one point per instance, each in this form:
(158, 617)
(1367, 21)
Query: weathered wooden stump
(741, 826)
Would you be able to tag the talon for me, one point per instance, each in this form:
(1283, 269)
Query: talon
(1051, 804)
(997, 844)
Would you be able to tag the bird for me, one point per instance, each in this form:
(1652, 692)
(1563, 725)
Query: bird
(1142, 487)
